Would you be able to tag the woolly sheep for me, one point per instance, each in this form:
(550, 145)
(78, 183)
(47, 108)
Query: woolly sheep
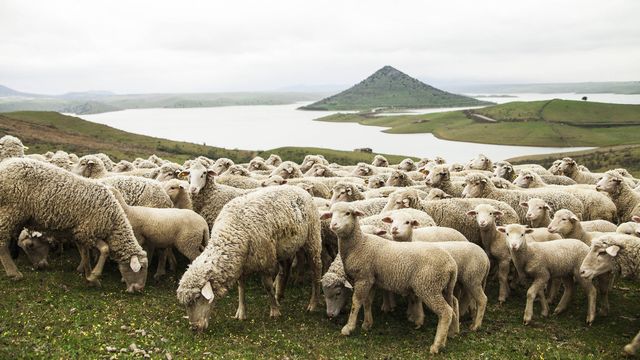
(426, 272)
(567, 224)
(240, 182)
(106, 160)
(88, 211)
(437, 194)
(336, 288)
(259, 164)
(168, 171)
(321, 170)
(221, 165)
(11, 146)
(253, 234)
(380, 161)
(310, 160)
(273, 180)
(407, 165)
(375, 182)
(90, 166)
(480, 162)
(61, 159)
(400, 179)
(480, 186)
(139, 191)
(318, 190)
(626, 200)
(423, 219)
(123, 166)
(611, 254)
(287, 170)
(543, 261)
(456, 167)
(440, 177)
(630, 228)
(346, 191)
(569, 168)
(178, 191)
(364, 169)
(273, 160)
(165, 228)
(404, 227)
(538, 215)
(35, 246)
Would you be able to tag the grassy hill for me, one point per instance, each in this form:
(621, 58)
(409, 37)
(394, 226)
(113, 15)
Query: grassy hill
(553, 123)
(613, 87)
(391, 88)
(45, 131)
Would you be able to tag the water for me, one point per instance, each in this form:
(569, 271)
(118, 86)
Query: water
(264, 127)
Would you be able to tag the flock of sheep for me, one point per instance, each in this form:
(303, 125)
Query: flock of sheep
(428, 231)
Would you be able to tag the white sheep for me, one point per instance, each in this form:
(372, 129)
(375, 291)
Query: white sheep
(626, 200)
(253, 234)
(380, 161)
(287, 170)
(440, 177)
(11, 146)
(630, 228)
(570, 168)
(310, 160)
(273, 160)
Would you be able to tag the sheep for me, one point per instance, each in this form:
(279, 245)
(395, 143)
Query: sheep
(614, 253)
(382, 192)
(400, 179)
(568, 225)
(423, 219)
(375, 182)
(273, 181)
(440, 177)
(106, 160)
(626, 200)
(178, 191)
(166, 228)
(237, 170)
(480, 186)
(318, 190)
(404, 228)
(538, 216)
(596, 205)
(221, 165)
(146, 164)
(139, 191)
(61, 159)
(346, 191)
(310, 160)
(156, 160)
(407, 165)
(456, 167)
(321, 170)
(630, 228)
(287, 170)
(363, 169)
(168, 171)
(504, 170)
(570, 169)
(336, 288)
(369, 207)
(450, 212)
(38, 157)
(240, 182)
(426, 272)
(273, 160)
(543, 261)
(90, 166)
(321, 203)
(254, 234)
(380, 161)
(480, 162)
(123, 166)
(598, 225)
(35, 246)
(501, 183)
(259, 164)
(45, 197)
(207, 196)
(437, 194)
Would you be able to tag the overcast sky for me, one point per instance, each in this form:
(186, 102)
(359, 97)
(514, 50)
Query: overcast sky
(233, 45)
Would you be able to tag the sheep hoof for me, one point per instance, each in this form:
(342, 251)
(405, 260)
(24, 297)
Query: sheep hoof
(474, 327)
(526, 321)
(628, 350)
(240, 315)
(434, 349)
(17, 276)
(418, 326)
(346, 331)
(94, 283)
(274, 313)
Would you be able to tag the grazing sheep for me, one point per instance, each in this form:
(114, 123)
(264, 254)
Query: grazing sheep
(440, 177)
(90, 166)
(287, 170)
(336, 288)
(570, 169)
(611, 254)
(123, 166)
(139, 191)
(32, 196)
(11, 147)
(596, 205)
(207, 196)
(178, 191)
(630, 228)
(543, 261)
(480, 162)
(166, 228)
(426, 272)
(255, 233)
(626, 200)
(380, 161)
(273, 160)
(407, 165)
(480, 186)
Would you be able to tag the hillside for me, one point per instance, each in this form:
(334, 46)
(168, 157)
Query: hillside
(613, 87)
(45, 131)
(552, 123)
(391, 88)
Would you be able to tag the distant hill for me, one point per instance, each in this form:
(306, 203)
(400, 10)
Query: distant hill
(608, 87)
(391, 88)
(5, 92)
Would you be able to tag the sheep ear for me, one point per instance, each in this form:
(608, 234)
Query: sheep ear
(387, 220)
(211, 173)
(326, 215)
(134, 263)
(547, 207)
(528, 231)
(636, 218)
(380, 232)
(472, 213)
(502, 229)
(415, 223)
(25, 147)
(613, 250)
(289, 170)
(207, 292)
(348, 285)
(183, 174)
(574, 218)
(284, 181)
(524, 204)
(357, 213)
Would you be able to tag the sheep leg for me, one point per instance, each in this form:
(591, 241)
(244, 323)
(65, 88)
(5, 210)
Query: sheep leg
(632, 347)
(283, 278)
(603, 284)
(503, 279)
(554, 289)
(415, 312)
(464, 300)
(565, 300)
(85, 260)
(592, 293)
(368, 316)
(544, 304)
(173, 263)
(93, 278)
(313, 252)
(477, 293)
(388, 302)
(10, 267)
(361, 291)
(438, 304)
(538, 284)
(241, 313)
(267, 282)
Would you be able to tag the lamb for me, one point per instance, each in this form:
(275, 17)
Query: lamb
(85, 209)
(287, 170)
(630, 228)
(254, 234)
(440, 177)
(626, 200)
(165, 228)
(273, 160)
(480, 162)
(207, 196)
(336, 288)
(90, 166)
(139, 191)
(380, 161)
(426, 272)
(404, 228)
(221, 165)
(596, 205)
(450, 212)
(538, 215)
(311, 160)
(407, 165)
(614, 253)
(543, 261)
(570, 168)
(11, 146)
(480, 186)
(123, 166)
(178, 191)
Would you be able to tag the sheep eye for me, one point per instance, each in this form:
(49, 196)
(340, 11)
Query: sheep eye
(407, 223)
(347, 213)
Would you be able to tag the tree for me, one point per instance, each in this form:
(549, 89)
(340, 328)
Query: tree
(584, 98)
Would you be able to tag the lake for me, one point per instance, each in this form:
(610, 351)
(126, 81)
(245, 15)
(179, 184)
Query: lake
(264, 127)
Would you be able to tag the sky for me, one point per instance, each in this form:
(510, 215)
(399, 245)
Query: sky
(137, 46)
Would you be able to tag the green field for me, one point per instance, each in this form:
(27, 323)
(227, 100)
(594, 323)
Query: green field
(53, 314)
(555, 123)
(51, 131)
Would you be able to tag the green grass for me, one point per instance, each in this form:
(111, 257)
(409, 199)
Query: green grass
(555, 123)
(53, 314)
(297, 154)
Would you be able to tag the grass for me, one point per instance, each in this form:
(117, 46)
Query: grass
(555, 123)
(51, 131)
(53, 314)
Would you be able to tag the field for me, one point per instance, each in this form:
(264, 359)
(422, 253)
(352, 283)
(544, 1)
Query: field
(554, 123)
(53, 314)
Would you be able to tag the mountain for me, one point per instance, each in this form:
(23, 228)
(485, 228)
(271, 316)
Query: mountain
(96, 94)
(391, 88)
(6, 92)
(612, 87)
